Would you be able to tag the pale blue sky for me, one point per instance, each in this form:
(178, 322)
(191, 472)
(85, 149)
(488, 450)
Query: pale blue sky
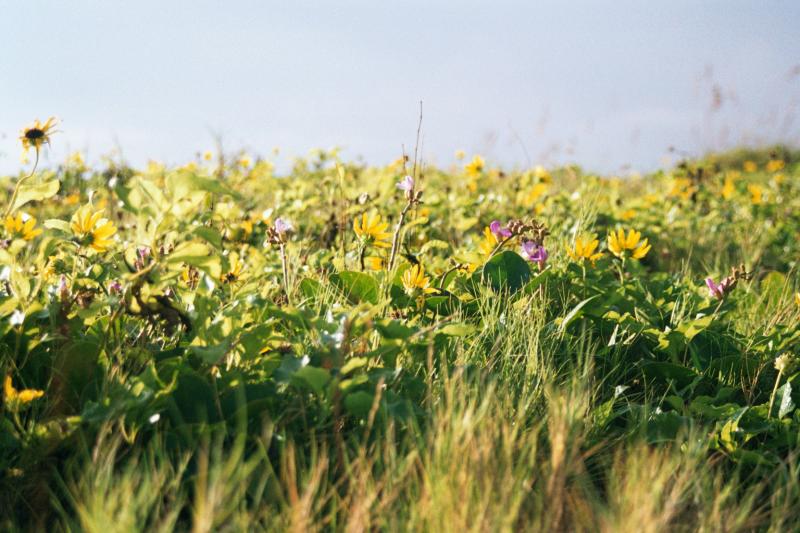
(602, 83)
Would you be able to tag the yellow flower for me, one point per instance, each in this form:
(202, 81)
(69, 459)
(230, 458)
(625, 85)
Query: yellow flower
(208, 155)
(750, 166)
(76, 160)
(542, 174)
(17, 228)
(728, 189)
(797, 298)
(774, 165)
(374, 263)
(13, 396)
(414, 280)
(756, 194)
(92, 229)
(245, 161)
(534, 194)
(618, 244)
(627, 214)
(682, 188)
(475, 167)
(585, 250)
(37, 134)
(489, 242)
(460, 154)
(235, 271)
(72, 199)
(372, 231)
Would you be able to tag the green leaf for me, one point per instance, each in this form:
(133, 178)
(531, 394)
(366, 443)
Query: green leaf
(312, 377)
(786, 405)
(359, 403)
(60, 225)
(197, 254)
(681, 375)
(575, 313)
(506, 271)
(35, 192)
(357, 286)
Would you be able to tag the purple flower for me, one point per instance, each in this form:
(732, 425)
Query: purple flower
(719, 291)
(406, 184)
(115, 287)
(535, 253)
(282, 226)
(498, 230)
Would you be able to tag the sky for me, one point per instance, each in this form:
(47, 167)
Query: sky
(608, 85)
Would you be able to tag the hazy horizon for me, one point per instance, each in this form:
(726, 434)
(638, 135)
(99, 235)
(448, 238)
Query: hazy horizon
(603, 86)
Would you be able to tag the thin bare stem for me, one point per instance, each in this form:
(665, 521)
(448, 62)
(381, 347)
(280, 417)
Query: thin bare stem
(285, 268)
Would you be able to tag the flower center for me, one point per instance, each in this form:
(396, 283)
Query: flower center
(34, 134)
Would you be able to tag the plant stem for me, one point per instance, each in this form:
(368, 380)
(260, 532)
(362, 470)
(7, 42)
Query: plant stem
(285, 268)
(22, 180)
(772, 396)
(396, 236)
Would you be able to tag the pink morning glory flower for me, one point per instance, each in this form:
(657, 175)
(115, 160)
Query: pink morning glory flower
(498, 230)
(534, 253)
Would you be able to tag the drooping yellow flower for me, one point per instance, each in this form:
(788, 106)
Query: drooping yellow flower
(92, 229)
(15, 397)
(475, 167)
(728, 189)
(750, 166)
(619, 244)
(372, 231)
(756, 194)
(489, 242)
(585, 250)
(37, 134)
(19, 228)
(415, 281)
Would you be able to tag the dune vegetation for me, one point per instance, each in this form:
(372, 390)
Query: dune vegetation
(342, 347)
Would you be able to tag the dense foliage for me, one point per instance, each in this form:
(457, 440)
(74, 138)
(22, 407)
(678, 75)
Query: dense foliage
(217, 346)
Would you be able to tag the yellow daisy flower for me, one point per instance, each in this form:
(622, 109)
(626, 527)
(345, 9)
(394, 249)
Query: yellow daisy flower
(37, 134)
(19, 228)
(619, 244)
(374, 263)
(92, 229)
(728, 189)
(14, 396)
(415, 281)
(475, 167)
(372, 231)
(584, 250)
(750, 166)
(756, 194)
(489, 242)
